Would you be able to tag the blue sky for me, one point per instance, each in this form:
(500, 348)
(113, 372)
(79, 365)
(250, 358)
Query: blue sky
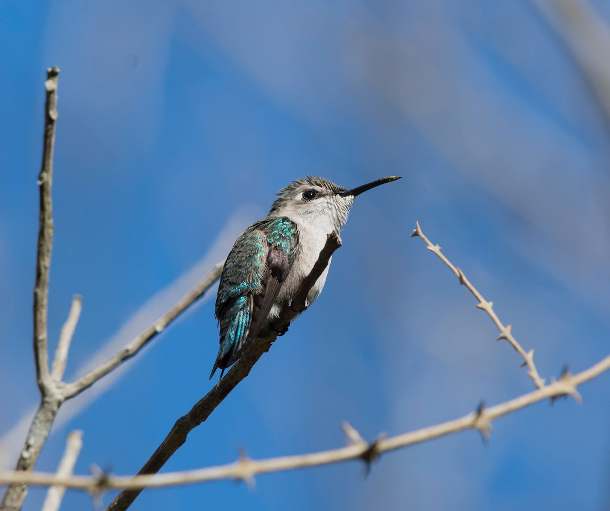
(179, 120)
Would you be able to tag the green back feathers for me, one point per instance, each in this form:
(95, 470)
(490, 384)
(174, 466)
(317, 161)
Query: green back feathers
(245, 265)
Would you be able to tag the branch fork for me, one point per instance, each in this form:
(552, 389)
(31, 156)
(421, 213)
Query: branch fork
(54, 392)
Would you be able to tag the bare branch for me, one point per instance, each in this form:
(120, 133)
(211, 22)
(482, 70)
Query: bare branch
(66, 467)
(53, 391)
(34, 442)
(39, 430)
(45, 235)
(505, 331)
(65, 338)
(245, 468)
(136, 344)
(202, 410)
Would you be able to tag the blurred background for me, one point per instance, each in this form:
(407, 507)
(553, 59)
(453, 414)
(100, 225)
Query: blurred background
(179, 120)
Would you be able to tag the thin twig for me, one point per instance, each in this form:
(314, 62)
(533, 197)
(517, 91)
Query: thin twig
(202, 410)
(39, 430)
(45, 235)
(65, 338)
(66, 467)
(505, 331)
(246, 468)
(137, 343)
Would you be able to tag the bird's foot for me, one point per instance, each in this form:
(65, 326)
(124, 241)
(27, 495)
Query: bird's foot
(280, 332)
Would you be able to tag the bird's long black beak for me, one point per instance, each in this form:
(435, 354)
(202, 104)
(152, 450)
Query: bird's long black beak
(361, 189)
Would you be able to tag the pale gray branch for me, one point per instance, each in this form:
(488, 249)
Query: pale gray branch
(53, 391)
(136, 344)
(66, 467)
(505, 331)
(45, 235)
(39, 430)
(245, 469)
(65, 338)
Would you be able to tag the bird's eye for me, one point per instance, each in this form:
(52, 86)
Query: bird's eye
(309, 195)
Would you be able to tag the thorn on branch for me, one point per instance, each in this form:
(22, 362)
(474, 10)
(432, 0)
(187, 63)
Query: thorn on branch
(417, 231)
(435, 248)
(566, 383)
(486, 306)
(482, 422)
(529, 357)
(372, 453)
(245, 468)
(506, 333)
(101, 484)
(461, 277)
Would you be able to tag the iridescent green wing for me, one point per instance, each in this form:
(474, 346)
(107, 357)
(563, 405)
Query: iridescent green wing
(250, 282)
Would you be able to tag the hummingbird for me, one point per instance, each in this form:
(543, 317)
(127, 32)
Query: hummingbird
(269, 261)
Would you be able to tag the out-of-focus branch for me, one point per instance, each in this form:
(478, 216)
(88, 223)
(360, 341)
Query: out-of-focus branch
(245, 469)
(202, 410)
(505, 331)
(136, 344)
(66, 467)
(587, 37)
(65, 338)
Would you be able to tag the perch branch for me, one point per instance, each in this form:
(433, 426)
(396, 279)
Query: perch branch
(245, 469)
(202, 410)
(505, 331)
(66, 466)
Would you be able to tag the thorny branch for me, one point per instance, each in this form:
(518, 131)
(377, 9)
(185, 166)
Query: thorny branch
(244, 469)
(505, 331)
(202, 410)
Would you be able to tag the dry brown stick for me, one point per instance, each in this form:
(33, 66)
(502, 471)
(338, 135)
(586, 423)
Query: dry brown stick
(202, 410)
(245, 468)
(505, 331)
(66, 467)
(65, 338)
(137, 343)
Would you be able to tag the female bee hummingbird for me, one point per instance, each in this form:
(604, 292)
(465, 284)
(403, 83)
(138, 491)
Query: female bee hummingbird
(271, 258)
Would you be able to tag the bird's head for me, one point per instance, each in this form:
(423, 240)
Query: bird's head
(315, 199)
